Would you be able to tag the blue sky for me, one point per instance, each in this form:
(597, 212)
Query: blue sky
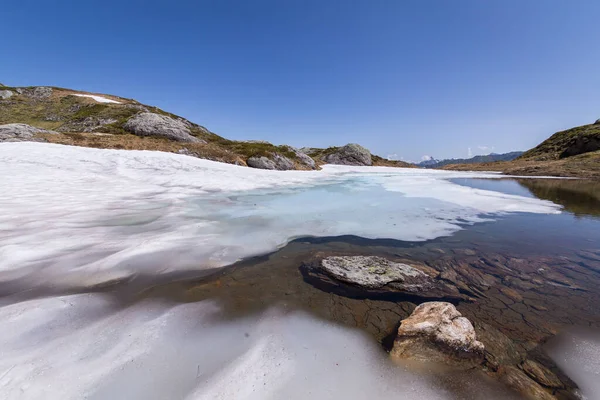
(410, 78)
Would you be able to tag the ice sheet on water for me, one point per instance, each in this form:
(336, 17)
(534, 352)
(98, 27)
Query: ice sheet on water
(79, 216)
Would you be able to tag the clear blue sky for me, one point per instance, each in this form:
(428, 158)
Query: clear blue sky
(411, 78)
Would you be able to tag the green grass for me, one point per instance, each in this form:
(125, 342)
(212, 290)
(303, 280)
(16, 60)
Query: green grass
(555, 145)
(253, 149)
(64, 112)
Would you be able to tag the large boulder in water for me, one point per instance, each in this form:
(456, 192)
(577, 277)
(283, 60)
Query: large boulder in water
(21, 133)
(437, 332)
(350, 154)
(152, 124)
(378, 277)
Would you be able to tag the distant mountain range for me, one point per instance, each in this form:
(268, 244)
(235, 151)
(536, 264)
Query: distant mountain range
(433, 163)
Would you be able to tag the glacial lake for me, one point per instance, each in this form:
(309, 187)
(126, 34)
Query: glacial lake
(147, 275)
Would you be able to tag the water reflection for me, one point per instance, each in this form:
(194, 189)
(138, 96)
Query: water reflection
(580, 197)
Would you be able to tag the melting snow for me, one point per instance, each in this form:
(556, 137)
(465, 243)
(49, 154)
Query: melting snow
(71, 216)
(82, 346)
(77, 216)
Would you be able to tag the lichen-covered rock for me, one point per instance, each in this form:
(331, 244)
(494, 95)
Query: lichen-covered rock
(261, 163)
(5, 94)
(283, 163)
(20, 133)
(350, 154)
(152, 124)
(88, 124)
(277, 162)
(436, 331)
(377, 277)
(303, 158)
(38, 93)
(370, 271)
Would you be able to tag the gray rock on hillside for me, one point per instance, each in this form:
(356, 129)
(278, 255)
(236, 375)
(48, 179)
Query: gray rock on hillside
(151, 124)
(5, 94)
(20, 133)
(278, 162)
(38, 93)
(437, 332)
(88, 124)
(350, 154)
(303, 158)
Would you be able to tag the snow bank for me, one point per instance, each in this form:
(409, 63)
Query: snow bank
(72, 216)
(99, 99)
(83, 346)
(577, 353)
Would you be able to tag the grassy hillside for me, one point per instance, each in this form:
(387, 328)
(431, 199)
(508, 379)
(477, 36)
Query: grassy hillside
(571, 153)
(574, 141)
(585, 165)
(84, 121)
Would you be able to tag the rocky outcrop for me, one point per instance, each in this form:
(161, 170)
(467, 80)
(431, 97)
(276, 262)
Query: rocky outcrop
(437, 332)
(303, 158)
(278, 162)
(36, 93)
(350, 154)
(377, 277)
(370, 271)
(261, 163)
(5, 94)
(581, 144)
(89, 124)
(20, 133)
(151, 124)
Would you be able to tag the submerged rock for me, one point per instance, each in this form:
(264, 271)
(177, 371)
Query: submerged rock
(371, 272)
(542, 374)
(377, 277)
(152, 124)
(350, 154)
(519, 381)
(436, 331)
(20, 133)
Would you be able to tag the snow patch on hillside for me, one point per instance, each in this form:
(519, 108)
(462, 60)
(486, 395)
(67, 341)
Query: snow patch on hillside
(99, 99)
